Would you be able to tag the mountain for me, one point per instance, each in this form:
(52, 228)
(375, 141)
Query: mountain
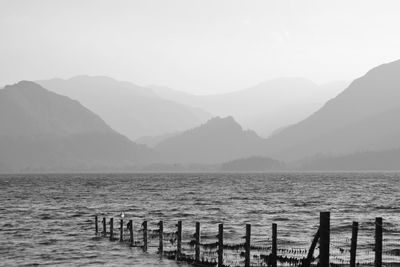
(152, 141)
(216, 141)
(265, 107)
(128, 108)
(44, 131)
(363, 117)
(386, 160)
(252, 164)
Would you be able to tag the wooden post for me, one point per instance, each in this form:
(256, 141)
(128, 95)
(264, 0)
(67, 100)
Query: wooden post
(111, 228)
(274, 244)
(144, 236)
(378, 242)
(121, 230)
(131, 233)
(104, 227)
(324, 241)
(96, 226)
(179, 241)
(197, 243)
(353, 248)
(247, 246)
(307, 261)
(220, 245)
(161, 235)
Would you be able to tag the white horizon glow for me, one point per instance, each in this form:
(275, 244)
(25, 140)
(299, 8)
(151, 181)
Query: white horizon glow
(196, 46)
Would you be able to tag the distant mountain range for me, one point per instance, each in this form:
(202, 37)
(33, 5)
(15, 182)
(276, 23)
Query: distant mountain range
(364, 117)
(216, 141)
(44, 131)
(265, 107)
(130, 109)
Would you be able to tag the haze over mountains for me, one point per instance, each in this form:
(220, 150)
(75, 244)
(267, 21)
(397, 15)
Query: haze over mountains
(128, 108)
(363, 117)
(44, 131)
(216, 141)
(265, 107)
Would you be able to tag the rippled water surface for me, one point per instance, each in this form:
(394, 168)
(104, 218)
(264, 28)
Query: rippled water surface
(48, 219)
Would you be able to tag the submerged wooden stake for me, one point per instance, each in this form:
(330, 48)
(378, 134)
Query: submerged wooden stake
(96, 224)
(378, 242)
(161, 238)
(324, 241)
(274, 244)
(220, 245)
(179, 241)
(144, 236)
(121, 230)
(104, 227)
(197, 243)
(353, 249)
(131, 233)
(247, 246)
(111, 228)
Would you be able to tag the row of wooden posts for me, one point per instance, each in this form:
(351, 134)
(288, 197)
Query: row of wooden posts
(322, 235)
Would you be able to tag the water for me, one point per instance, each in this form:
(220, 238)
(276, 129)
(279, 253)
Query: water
(48, 219)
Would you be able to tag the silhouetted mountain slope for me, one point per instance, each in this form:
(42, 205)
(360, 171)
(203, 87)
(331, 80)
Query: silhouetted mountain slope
(361, 161)
(252, 164)
(365, 116)
(41, 130)
(216, 141)
(265, 107)
(129, 109)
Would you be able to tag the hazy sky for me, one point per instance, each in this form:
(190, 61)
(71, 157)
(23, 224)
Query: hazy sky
(197, 46)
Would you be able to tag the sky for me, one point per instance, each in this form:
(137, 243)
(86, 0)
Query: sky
(201, 47)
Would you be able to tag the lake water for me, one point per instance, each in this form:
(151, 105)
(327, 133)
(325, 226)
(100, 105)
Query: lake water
(49, 219)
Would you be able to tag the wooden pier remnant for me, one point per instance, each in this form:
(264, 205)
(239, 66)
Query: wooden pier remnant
(161, 238)
(247, 246)
(197, 243)
(144, 225)
(96, 224)
(217, 253)
(104, 227)
(130, 227)
(111, 228)
(324, 240)
(274, 244)
(353, 248)
(121, 230)
(179, 240)
(220, 245)
(378, 242)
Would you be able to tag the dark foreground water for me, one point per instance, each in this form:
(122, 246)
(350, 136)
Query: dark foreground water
(48, 219)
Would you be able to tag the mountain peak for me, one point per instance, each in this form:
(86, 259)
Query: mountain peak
(24, 85)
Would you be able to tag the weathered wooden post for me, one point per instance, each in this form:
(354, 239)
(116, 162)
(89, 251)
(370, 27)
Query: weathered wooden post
(121, 230)
(324, 241)
(274, 244)
(179, 241)
(111, 228)
(96, 226)
(197, 243)
(104, 227)
(378, 242)
(144, 224)
(161, 239)
(247, 246)
(131, 233)
(307, 261)
(353, 248)
(220, 245)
